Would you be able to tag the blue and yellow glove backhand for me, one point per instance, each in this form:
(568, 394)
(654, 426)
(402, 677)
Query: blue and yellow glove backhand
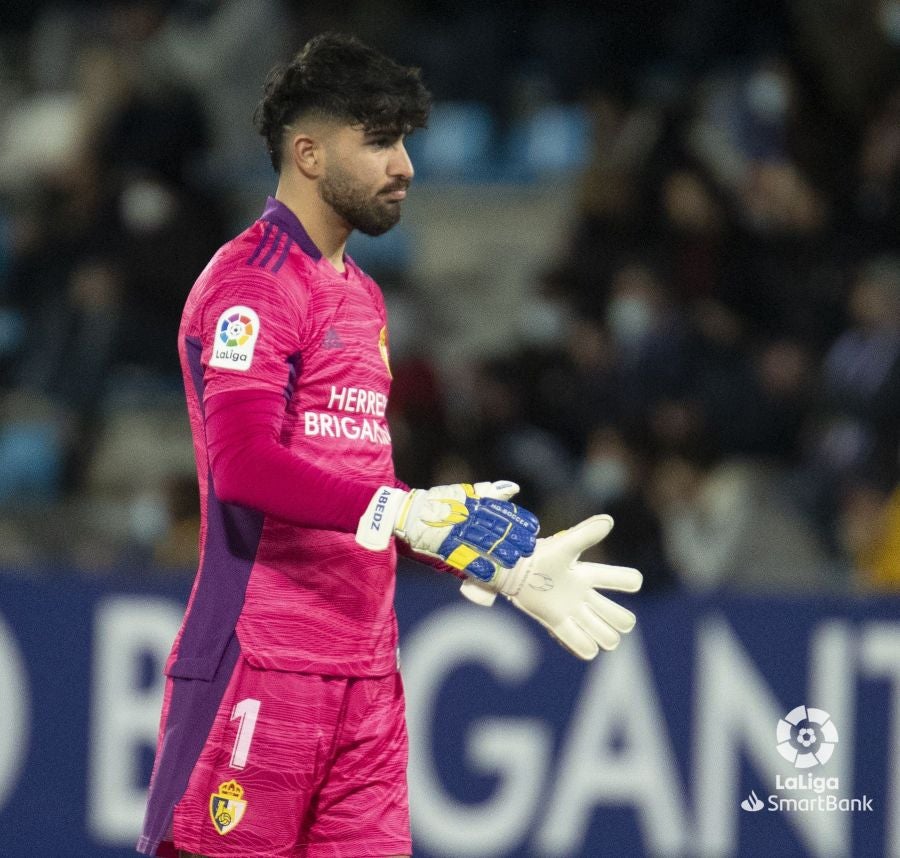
(474, 528)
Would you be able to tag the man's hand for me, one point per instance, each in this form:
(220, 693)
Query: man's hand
(473, 528)
(560, 591)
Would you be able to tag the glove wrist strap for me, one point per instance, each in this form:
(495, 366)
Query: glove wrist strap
(376, 525)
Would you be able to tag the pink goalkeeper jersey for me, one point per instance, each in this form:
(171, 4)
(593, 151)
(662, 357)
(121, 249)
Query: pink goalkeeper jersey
(270, 313)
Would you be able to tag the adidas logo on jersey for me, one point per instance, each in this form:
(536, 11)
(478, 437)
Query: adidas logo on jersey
(332, 340)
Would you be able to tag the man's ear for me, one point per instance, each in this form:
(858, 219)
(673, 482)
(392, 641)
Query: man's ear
(307, 154)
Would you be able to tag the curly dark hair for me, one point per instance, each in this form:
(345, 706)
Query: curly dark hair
(337, 77)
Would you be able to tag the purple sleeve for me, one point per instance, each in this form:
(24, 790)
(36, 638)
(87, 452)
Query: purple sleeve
(251, 468)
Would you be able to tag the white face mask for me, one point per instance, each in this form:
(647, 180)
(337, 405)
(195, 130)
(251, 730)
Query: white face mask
(767, 95)
(149, 518)
(541, 321)
(890, 21)
(604, 479)
(630, 319)
(146, 206)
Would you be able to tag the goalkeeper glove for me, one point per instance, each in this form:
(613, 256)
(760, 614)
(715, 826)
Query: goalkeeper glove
(560, 591)
(472, 528)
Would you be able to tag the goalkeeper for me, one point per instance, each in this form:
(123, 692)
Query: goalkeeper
(282, 731)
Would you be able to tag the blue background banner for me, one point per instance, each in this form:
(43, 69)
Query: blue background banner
(517, 749)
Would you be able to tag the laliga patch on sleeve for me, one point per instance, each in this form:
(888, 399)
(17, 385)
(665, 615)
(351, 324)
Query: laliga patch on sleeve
(235, 339)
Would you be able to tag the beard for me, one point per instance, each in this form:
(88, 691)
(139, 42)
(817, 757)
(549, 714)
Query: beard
(370, 214)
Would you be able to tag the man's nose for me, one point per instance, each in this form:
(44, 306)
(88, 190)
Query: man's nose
(400, 164)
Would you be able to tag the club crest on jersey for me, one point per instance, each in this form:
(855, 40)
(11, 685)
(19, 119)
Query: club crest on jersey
(383, 348)
(235, 338)
(226, 807)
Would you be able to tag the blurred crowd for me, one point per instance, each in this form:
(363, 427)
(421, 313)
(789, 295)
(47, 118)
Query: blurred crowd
(713, 357)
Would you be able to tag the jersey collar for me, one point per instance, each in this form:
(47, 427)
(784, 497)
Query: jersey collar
(278, 213)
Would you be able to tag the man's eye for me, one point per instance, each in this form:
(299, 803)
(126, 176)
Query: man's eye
(381, 142)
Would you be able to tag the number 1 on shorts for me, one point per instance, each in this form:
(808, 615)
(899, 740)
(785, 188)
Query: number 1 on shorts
(248, 711)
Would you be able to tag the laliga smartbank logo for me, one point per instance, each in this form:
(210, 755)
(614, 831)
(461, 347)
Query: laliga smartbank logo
(806, 738)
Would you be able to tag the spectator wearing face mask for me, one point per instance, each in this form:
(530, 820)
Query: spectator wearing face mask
(611, 477)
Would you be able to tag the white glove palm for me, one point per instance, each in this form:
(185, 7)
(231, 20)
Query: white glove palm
(560, 591)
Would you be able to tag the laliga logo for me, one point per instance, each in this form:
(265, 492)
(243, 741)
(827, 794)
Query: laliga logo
(235, 339)
(806, 737)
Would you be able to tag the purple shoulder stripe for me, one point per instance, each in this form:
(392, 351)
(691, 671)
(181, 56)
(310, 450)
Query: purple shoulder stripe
(284, 254)
(279, 233)
(261, 245)
(279, 214)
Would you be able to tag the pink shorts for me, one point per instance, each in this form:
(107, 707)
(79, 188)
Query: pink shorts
(300, 765)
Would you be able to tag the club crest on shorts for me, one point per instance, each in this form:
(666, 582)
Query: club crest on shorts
(226, 807)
